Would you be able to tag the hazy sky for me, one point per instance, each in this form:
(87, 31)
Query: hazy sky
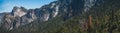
(7, 5)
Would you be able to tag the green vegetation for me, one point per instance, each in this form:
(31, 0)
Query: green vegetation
(103, 18)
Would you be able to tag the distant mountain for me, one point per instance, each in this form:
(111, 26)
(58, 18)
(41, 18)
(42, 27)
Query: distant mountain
(64, 16)
(65, 9)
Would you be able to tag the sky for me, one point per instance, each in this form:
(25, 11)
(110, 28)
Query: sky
(7, 5)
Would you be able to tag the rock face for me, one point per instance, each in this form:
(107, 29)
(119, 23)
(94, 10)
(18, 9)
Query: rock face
(89, 3)
(1, 18)
(64, 8)
(18, 12)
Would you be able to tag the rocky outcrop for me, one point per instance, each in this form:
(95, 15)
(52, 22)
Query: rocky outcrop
(18, 12)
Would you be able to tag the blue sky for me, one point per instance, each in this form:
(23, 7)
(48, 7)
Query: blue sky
(7, 5)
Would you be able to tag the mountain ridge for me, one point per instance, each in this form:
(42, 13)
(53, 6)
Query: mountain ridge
(64, 8)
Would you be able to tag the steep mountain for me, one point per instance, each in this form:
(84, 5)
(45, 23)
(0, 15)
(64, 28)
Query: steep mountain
(62, 8)
(64, 16)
